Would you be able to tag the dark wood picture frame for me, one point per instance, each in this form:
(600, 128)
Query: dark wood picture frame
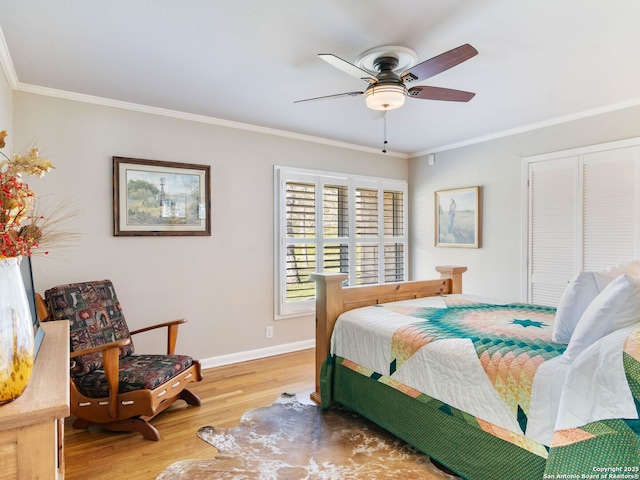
(153, 197)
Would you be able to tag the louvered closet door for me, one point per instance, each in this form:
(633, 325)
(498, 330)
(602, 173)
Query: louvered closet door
(584, 214)
(610, 217)
(553, 227)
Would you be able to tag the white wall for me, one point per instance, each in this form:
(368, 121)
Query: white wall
(496, 269)
(222, 283)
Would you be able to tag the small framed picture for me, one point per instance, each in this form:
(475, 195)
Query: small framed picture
(152, 197)
(458, 220)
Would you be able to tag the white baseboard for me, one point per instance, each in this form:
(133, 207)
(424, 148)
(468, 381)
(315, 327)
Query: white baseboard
(256, 354)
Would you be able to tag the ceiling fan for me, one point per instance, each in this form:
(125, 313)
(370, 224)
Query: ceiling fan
(389, 69)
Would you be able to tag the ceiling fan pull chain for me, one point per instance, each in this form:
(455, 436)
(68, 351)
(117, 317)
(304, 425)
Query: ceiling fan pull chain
(384, 144)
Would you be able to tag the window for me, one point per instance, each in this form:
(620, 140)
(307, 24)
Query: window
(329, 222)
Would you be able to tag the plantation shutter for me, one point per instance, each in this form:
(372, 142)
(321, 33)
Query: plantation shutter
(336, 228)
(584, 214)
(367, 245)
(301, 240)
(394, 255)
(329, 223)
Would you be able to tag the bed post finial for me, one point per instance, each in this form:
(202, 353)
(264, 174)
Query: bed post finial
(453, 273)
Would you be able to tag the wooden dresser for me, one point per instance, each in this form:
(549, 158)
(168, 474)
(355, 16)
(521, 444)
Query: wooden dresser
(31, 427)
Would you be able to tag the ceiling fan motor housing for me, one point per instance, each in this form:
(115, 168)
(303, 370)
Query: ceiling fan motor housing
(389, 91)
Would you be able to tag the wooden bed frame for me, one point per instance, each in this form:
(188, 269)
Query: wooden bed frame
(432, 426)
(332, 299)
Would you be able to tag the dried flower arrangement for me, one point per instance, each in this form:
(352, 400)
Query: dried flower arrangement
(21, 229)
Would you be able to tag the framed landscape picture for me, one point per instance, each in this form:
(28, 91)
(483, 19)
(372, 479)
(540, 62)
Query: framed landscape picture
(152, 197)
(457, 219)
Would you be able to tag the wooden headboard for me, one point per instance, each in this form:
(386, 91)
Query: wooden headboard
(332, 299)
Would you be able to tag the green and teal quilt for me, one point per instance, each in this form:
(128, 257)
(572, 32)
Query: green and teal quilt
(493, 368)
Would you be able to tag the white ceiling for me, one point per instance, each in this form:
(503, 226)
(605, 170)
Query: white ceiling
(247, 61)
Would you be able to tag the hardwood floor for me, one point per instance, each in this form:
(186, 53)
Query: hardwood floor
(226, 393)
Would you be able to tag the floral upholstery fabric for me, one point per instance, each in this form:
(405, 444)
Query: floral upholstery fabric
(136, 372)
(95, 318)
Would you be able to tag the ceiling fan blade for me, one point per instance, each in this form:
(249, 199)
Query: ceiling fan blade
(438, 93)
(440, 63)
(346, 67)
(327, 97)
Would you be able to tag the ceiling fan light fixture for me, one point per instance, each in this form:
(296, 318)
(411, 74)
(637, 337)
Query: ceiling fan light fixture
(385, 96)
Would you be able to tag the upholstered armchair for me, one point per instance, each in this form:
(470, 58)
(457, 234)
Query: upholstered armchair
(111, 386)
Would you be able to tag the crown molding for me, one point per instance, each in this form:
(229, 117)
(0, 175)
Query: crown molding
(6, 63)
(7, 66)
(107, 102)
(634, 102)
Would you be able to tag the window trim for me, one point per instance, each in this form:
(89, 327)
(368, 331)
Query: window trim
(282, 175)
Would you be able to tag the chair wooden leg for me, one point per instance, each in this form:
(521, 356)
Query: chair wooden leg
(190, 398)
(80, 424)
(138, 425)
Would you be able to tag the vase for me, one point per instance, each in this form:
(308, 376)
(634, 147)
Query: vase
(16, 332)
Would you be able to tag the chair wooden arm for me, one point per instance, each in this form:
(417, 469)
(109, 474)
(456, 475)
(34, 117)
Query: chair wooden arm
(172, 332)
(111, 364)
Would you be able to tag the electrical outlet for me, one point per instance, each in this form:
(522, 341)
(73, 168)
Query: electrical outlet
(269, 332)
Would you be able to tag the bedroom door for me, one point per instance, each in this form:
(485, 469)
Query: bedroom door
(583, 214)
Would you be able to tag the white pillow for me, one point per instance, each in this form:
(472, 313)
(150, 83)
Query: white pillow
(580, 292)
(617, 306)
